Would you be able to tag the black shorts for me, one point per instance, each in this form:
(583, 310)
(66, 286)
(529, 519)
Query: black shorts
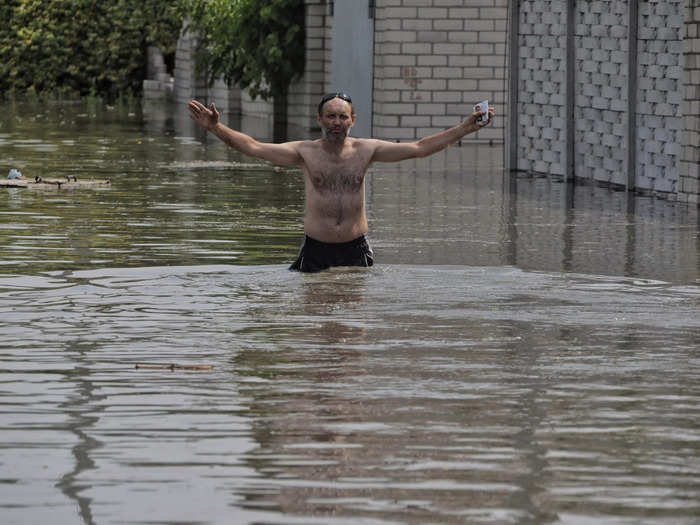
(315, 256)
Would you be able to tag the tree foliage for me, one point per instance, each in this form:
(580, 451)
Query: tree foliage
(82, 46)
(255, 44)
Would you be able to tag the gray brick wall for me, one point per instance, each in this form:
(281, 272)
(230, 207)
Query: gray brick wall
(185, 76)
(656, 103)
(659, 96)
(305, 94)
(189, 84)
(255, 116)
(433, 60)
(601, 90)
(542, 87)
(690, 136)
(158, 83)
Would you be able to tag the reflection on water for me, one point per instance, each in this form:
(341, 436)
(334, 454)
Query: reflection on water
(460, 215)
(524, 351)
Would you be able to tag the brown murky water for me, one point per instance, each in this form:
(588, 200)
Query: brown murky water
(523, 352)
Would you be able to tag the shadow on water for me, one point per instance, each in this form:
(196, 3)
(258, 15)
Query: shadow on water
(524, 351)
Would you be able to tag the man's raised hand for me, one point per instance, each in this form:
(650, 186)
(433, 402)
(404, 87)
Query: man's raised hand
(208, 118)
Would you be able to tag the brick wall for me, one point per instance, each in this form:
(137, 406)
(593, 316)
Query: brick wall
(542, 87)
(433, 60)
(601, 90)
(189, 84)
(158, 83)
(305, 94)
(185, 76)
(690, 137)
(255, 116)
(631, 82)
(659, 94)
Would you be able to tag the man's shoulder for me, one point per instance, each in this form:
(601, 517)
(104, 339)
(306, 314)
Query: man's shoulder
(350, 142)
(363, 143)
(307, 144)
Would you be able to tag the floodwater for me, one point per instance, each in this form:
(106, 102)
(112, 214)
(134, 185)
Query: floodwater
(524, 351)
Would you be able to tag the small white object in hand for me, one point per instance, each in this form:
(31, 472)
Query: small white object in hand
(484, 108)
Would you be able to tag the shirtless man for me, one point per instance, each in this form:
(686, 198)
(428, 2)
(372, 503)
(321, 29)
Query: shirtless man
(334, 168)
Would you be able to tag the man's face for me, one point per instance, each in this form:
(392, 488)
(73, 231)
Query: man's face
(336, 119)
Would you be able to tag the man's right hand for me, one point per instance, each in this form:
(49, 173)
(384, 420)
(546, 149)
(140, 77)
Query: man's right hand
(286, 154)
(208, 118)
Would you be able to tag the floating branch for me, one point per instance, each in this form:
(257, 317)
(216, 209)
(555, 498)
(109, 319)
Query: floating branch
(173, 367)
(40, 183)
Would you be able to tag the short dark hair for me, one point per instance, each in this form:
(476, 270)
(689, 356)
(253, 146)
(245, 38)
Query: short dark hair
(331, 96)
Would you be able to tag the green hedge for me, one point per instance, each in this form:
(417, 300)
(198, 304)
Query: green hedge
(81, 47)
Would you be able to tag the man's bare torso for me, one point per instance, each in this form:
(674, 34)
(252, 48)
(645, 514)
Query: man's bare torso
(335, 189)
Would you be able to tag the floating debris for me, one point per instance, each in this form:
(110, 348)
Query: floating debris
(68, 182)
(173, 367)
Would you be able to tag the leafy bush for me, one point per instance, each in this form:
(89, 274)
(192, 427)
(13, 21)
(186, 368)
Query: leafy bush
(82, 47)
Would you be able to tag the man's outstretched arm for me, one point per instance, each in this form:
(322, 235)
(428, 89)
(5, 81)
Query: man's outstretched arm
(396, 151)
(285, 154)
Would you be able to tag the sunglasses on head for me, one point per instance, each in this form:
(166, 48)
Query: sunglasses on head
(331, 96)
